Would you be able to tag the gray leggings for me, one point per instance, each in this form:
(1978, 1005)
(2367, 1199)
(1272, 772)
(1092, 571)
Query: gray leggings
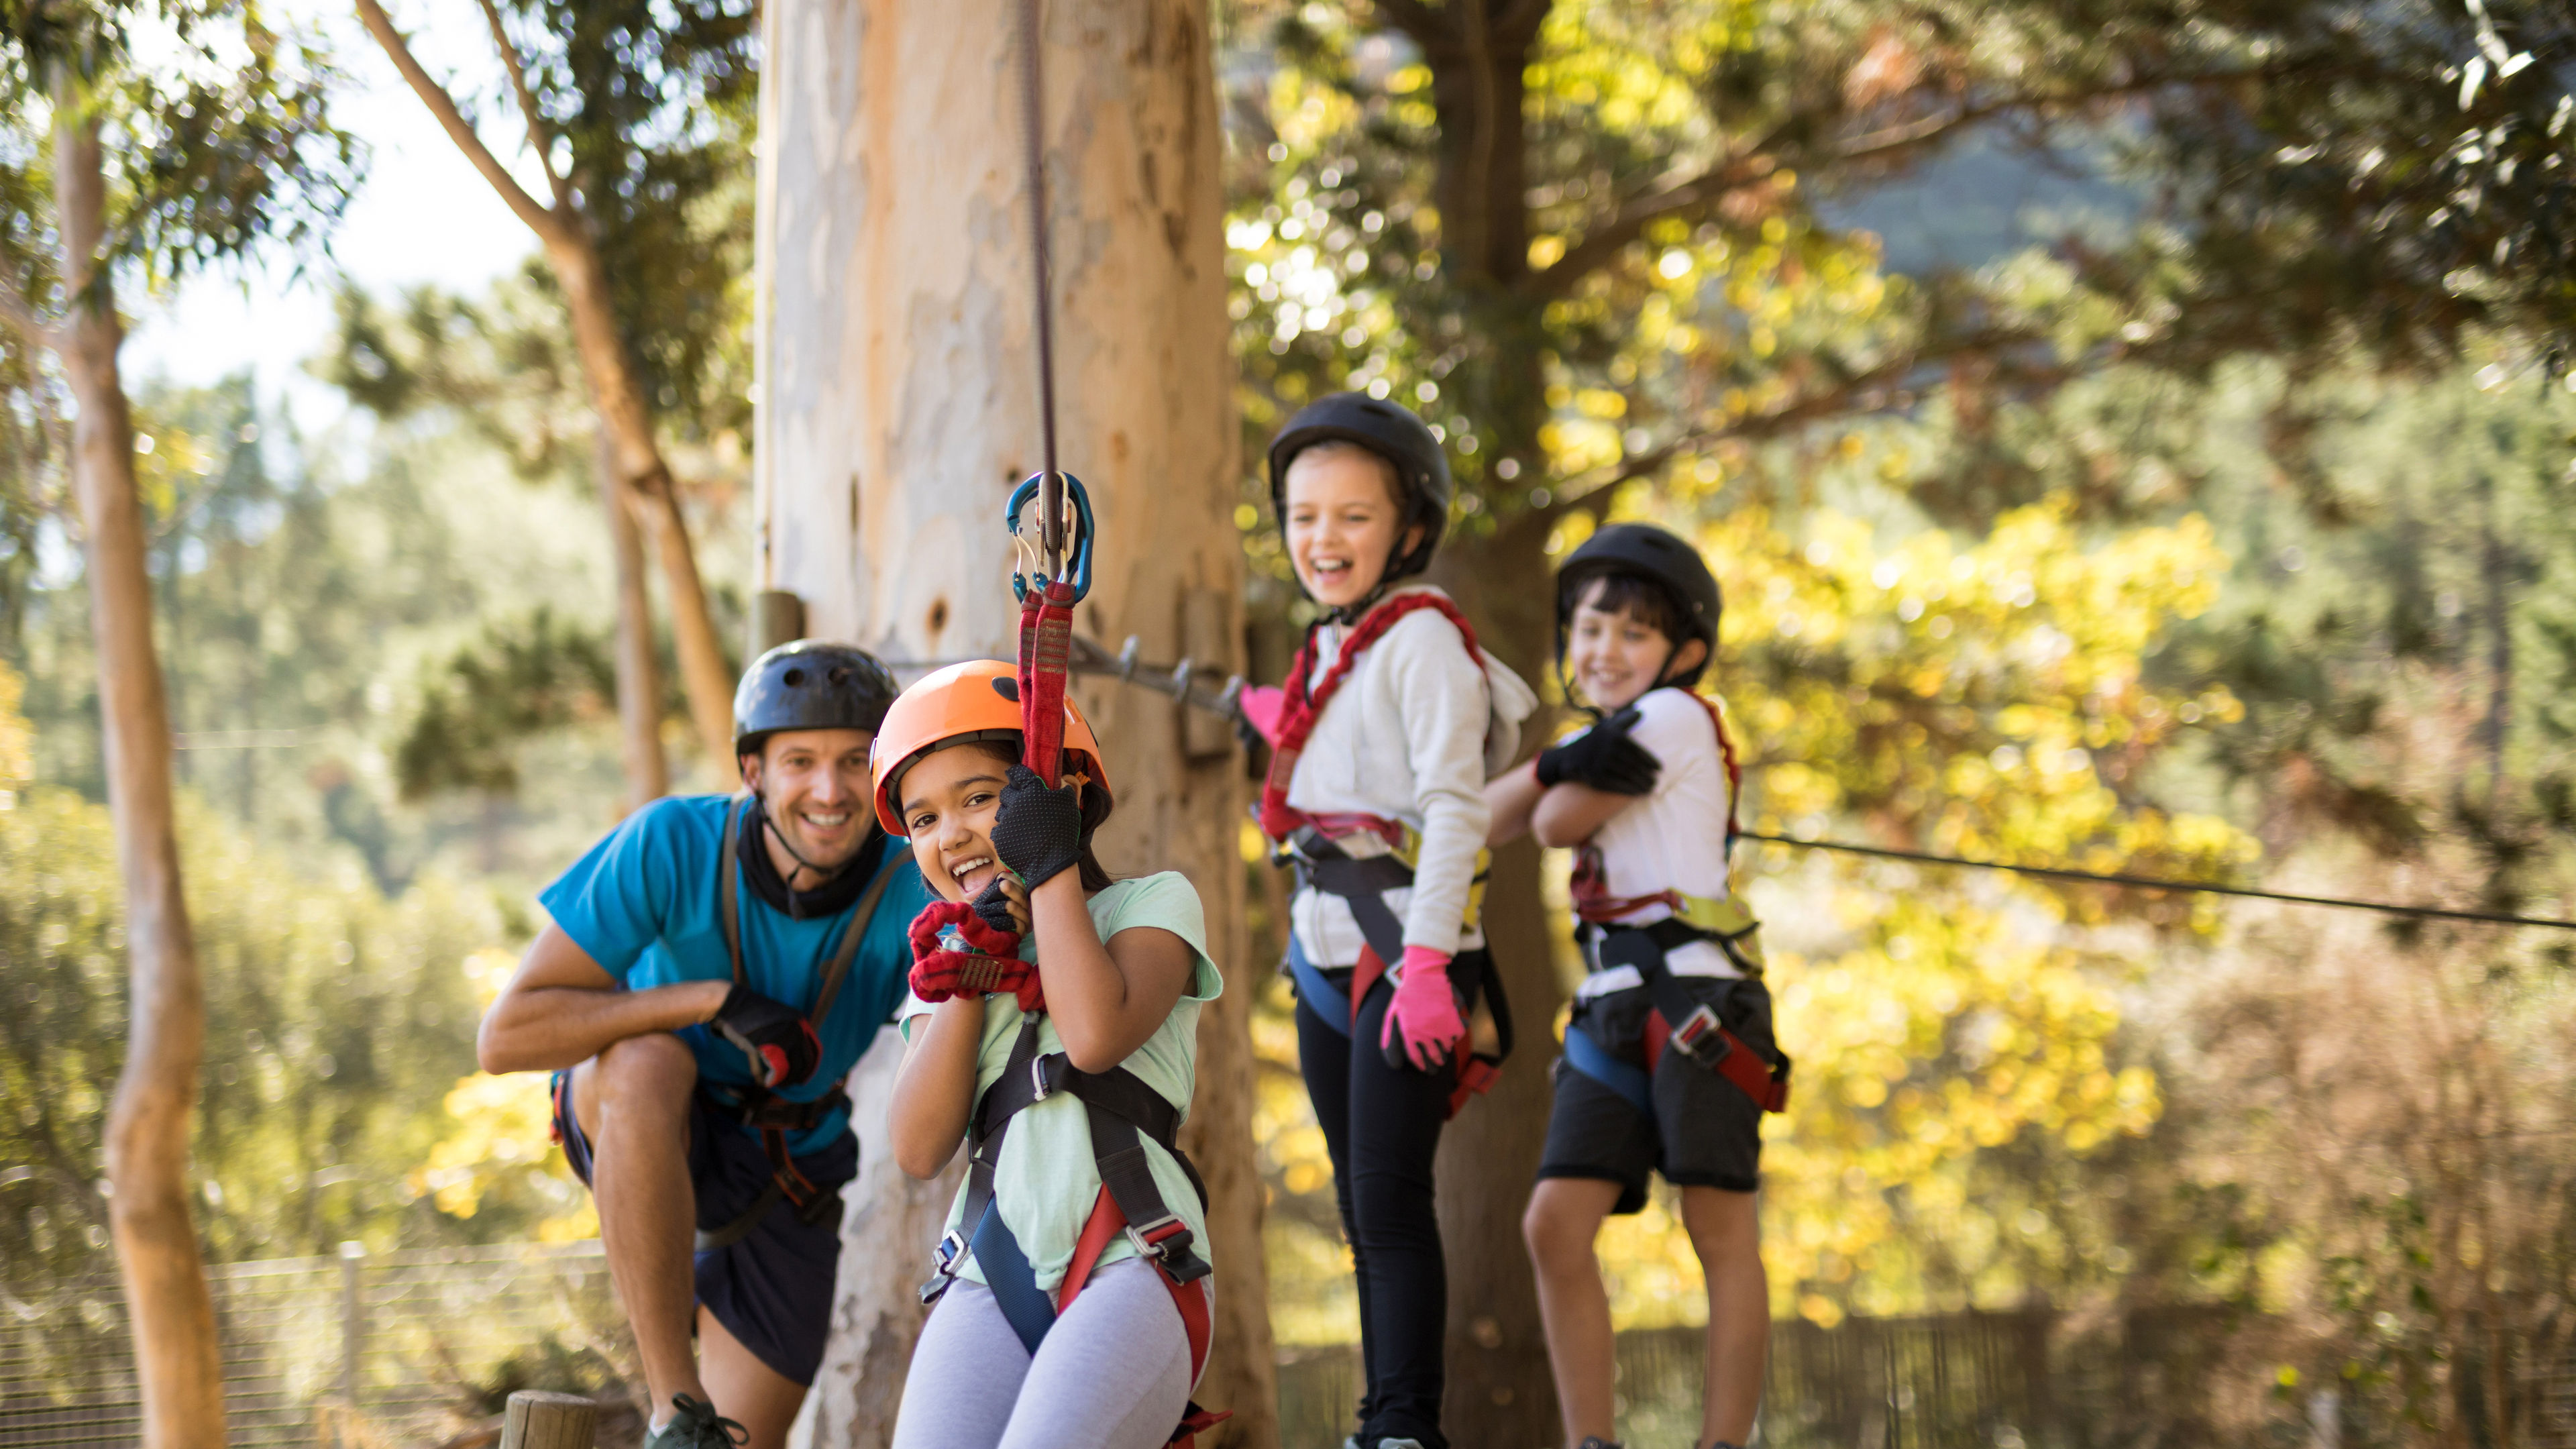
(1114, 1372)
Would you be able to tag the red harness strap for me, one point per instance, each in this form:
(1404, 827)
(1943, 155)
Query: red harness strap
(1299, 709)
(1747, 1071)
(1098, 1232)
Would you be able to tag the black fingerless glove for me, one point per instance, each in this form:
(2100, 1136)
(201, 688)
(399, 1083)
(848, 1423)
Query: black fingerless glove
(1038, 831)
(778, 1041)
(995, 908)
(1604, 758)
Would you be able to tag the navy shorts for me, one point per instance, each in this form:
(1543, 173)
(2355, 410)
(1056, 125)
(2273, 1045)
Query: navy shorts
(1705, 1132)
(772, 1290)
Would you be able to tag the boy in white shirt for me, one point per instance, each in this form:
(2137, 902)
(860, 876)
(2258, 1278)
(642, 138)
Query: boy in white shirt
(1669, 1060)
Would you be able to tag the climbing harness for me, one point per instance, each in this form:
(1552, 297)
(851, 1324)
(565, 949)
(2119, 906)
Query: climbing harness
(1359, 858)
(1121, 1110)
(1678, 1020)
(756, 1106)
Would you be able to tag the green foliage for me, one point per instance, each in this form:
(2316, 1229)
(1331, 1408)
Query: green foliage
(653, 106)
(503, 366)
(333, 1017)
(521, 677)
(302, 613)
(217, 132)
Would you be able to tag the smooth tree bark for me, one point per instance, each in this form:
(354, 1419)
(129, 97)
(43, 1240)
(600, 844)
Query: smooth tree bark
(898, 405)
(639, 669)
(157, 1254)
(563, 230)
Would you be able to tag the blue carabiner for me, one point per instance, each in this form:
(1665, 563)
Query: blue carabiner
(1080, 564)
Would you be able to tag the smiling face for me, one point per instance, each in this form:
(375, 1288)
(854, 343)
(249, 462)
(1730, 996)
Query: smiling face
(1341, 521)
(816, 786)
(949, 798)
(1614, 656)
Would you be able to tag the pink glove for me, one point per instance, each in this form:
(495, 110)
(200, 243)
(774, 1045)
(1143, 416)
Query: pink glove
(1261, 705)
(1424, 1013)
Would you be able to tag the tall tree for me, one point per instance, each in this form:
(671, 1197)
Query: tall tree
(1601, 243)
(899, 403)
(616, 229)
(146, 169)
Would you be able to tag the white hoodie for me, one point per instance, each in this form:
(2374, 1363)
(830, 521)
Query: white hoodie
(1412, 735)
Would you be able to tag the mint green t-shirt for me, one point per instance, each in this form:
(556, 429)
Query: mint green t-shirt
(1046, 1180)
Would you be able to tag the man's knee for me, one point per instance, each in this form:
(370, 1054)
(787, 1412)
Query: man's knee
(652, 1075)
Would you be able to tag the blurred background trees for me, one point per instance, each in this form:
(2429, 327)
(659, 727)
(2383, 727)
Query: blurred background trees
(2124, 438)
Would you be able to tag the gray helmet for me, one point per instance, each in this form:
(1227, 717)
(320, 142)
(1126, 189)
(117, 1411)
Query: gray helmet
(1660, 558)
(1393, 433)
(810, 685)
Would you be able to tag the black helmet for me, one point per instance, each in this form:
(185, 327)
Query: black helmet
(810, 685)
(1391, 432)
(1653, 554)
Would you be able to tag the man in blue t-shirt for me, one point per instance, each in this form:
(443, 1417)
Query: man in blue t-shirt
(714, 968)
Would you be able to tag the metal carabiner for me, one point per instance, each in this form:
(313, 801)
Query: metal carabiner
(1079, 565)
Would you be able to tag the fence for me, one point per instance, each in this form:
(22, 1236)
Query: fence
(422, 1344)
(425, 1346)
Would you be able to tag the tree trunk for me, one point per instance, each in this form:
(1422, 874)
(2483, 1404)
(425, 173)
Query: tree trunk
(173, 1314)
(1501, 1393)
(898, 404)
(626, 424)
(639, 669)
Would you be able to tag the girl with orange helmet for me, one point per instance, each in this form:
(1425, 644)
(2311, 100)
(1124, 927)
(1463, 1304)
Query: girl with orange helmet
(1053, 1030)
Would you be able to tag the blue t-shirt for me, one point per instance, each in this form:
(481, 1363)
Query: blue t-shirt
(643, 903)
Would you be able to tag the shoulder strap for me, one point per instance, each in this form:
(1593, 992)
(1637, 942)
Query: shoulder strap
(839, 969)
(729, 887)
(1734, 767)
(1303, 706)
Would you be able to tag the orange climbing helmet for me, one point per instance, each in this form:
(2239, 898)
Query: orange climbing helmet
(977, 700)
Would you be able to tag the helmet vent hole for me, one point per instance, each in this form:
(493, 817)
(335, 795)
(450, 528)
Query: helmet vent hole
(793, 679)
(1007, 687)
(938, 619)
(838, 676)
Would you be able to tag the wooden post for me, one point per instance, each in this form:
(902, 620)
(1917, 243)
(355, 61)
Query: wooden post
(537, 1419)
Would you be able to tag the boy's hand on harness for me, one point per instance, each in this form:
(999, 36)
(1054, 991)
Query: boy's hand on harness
(1038, 831)
(777, 1040)
(1257, 708)
(1604, 758)
(1423, 1027)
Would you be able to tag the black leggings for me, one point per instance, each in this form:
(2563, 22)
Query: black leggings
(1382, 1126)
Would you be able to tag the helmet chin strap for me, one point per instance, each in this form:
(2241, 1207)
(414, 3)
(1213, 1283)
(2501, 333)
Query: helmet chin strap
(779, 834)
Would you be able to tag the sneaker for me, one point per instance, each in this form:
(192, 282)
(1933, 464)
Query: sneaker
(694, 1424)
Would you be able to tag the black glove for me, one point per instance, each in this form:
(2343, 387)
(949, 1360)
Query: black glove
(1604, 758)
(1038, 831)
(995, 908)
(779, 1041)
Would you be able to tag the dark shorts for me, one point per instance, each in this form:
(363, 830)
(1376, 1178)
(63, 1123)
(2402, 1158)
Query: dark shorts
(1705, 1132)
(773, 1290)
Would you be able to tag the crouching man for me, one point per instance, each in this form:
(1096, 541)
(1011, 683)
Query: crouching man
(714, 968)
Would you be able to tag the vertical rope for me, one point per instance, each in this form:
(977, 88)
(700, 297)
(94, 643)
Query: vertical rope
(1033, 114)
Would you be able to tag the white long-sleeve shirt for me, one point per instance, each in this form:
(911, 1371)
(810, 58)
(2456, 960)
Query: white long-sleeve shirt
(1411, 736)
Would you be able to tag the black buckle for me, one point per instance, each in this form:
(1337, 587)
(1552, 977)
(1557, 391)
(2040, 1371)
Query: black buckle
(1702, 1037)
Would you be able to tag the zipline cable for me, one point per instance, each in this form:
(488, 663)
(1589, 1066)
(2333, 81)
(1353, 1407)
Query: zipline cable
(2147, 882)
(1033, 128)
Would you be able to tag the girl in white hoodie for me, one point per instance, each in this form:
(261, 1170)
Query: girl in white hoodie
(1390, 723)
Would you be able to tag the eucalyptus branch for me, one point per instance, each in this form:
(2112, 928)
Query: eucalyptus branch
(546, 224)
(1675, 199)
(541, 137)
(1852, 394)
